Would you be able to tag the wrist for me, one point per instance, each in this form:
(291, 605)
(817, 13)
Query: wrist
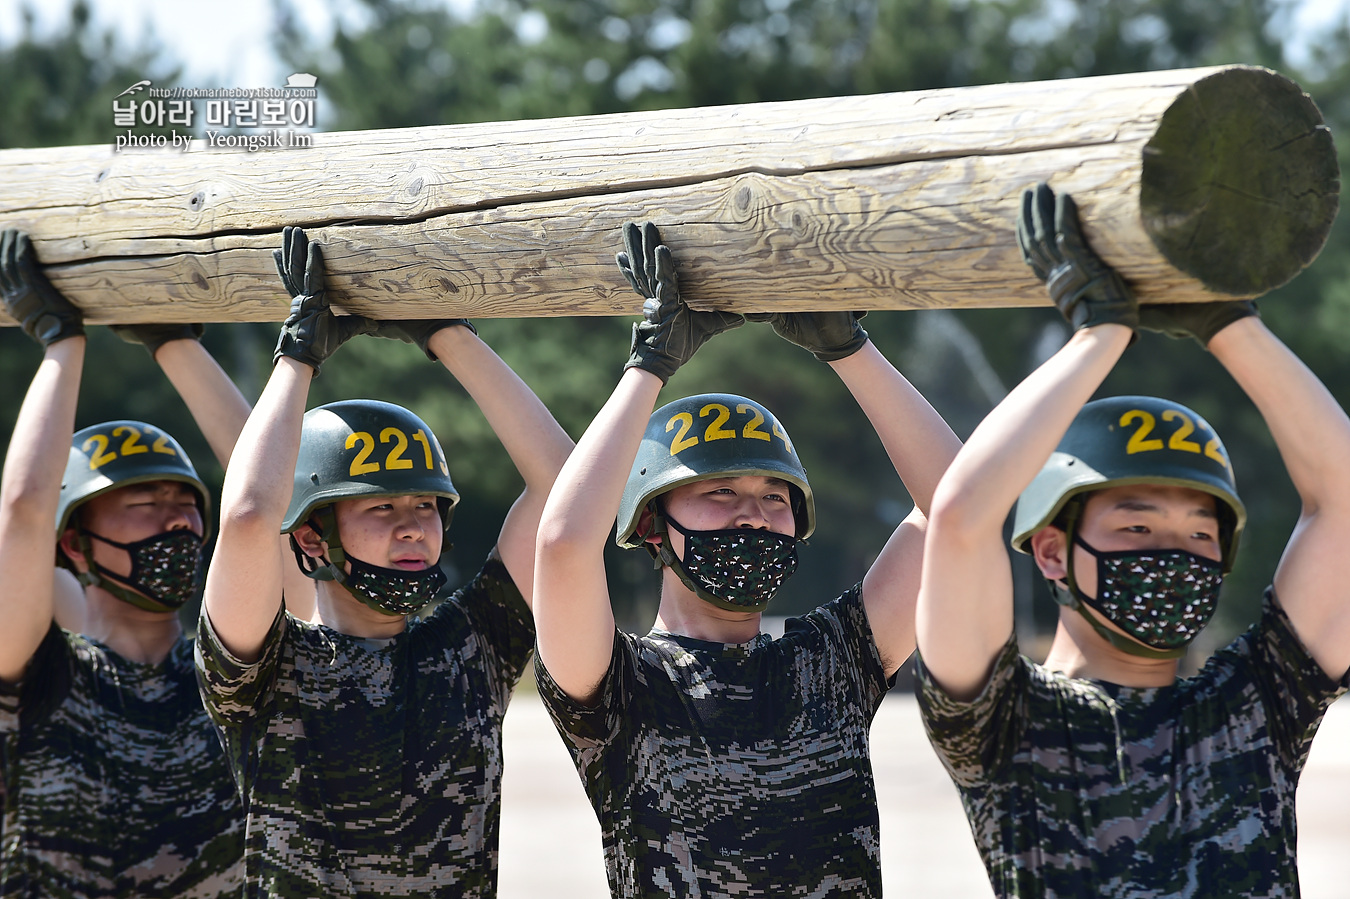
(444, 341)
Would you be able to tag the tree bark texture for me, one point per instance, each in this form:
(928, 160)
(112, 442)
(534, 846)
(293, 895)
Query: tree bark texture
(1196, 184)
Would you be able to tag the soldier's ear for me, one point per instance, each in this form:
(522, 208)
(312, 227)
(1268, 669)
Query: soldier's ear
(1050, 548)
(645, 524)
(309, 541)
(69, 544)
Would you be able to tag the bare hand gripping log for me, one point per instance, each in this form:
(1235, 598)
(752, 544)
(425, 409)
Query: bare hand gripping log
(1195, 184)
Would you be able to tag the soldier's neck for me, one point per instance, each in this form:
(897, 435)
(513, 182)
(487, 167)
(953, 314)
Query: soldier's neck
(135, 634)
(335, 607)
(682, 612)
(1082, 652)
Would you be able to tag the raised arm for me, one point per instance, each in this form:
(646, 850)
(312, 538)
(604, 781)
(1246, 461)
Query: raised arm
(216, 404)
(572, 614)
(1313, 435)
(920, 446)
(30, 487)
(965, 610)
(533, 439)
(245, 582)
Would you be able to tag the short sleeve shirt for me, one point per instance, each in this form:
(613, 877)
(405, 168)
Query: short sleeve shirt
(735, 769)
(1077, 787)
(372, 767)
(115, 784)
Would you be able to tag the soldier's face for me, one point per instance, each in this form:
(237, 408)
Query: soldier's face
(137, 512)
(1144, 517)
(717, 504)
(402, 532)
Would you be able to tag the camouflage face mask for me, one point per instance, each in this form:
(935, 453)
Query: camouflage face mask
(1162, 598)
(739, 569)
(166, 570)
(393, 591)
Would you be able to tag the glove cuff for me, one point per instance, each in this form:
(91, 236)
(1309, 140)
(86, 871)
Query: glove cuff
(844, 350)
(289, 347)
(50, 328)
(1225, 316)
(646, 358)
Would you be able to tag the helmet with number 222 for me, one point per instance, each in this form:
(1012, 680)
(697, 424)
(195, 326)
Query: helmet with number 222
(708, 436)
(1124, 440)
(116, 454)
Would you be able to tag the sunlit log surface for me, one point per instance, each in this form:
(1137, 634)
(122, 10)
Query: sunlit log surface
(1195, 184)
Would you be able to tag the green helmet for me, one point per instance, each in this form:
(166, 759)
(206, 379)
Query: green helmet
(116, 454)
(358, 448)
(711, 435)
(1123, 440)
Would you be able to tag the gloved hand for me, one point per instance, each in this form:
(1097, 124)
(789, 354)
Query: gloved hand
(829, 336)
(1087, 291)
(1200, 321)
(30, 299)
(418, 331)
(670, 331)
(311, 332)
(152, 337)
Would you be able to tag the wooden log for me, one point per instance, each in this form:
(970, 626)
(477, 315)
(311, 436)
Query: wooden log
(1196, 184)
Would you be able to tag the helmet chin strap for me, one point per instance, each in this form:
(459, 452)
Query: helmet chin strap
(1069, 598)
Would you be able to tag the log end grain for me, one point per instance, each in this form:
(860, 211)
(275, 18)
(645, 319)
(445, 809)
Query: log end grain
(1240, 182)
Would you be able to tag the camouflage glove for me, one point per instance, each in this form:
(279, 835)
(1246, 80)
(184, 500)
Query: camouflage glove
(829, 336)
(311, 333)
(1200, 321)
(1087, 291)
(419, 331)
(152, 337)
(30, 299)
(670, 331)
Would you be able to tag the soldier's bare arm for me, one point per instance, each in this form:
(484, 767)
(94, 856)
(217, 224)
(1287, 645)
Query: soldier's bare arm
(1313, 435)
(245, 582)
(29, 493)
(532, 438)
(965, 610)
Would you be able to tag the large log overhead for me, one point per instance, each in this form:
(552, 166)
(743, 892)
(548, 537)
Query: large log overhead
(1196, 184)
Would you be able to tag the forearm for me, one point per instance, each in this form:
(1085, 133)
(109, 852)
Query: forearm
(1309, 426)
(245, 583)
(531, 436)
(586, 495)
(29, 496)
(918, 441)
(1014, 441)
(216, 404)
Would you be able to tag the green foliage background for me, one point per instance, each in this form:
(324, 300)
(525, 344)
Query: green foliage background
(406, 63)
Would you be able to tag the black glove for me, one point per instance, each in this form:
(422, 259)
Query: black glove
(152, 337)
(30, 299)
(1087, 291)
(829, 336)
(418, 331)
(1200, 321)
(670, 331)
(311, 333)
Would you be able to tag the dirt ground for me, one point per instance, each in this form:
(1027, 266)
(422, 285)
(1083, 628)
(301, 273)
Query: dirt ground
(550, 841)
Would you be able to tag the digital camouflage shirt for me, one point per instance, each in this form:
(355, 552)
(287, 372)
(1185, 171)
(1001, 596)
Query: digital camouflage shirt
(735, 769)
(372, 767)
(115, 784)
(1078, 788)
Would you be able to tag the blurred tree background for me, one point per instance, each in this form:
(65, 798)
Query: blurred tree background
(416, 62)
